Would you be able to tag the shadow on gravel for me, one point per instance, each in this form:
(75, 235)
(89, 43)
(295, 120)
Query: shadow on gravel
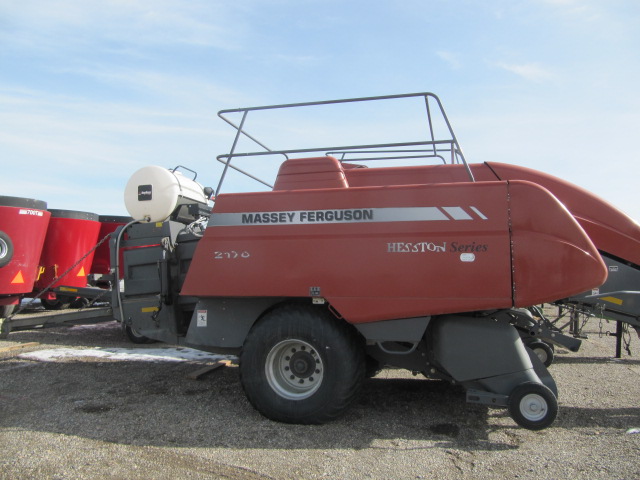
(617, 418)
(593, 418)
(154, 404)
(73, 335)
(596, 360)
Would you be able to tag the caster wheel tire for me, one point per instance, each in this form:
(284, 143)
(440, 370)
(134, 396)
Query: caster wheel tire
(543, 351)
(533, 406)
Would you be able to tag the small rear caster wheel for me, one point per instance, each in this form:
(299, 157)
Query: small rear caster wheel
(533, 406)
(543, 351)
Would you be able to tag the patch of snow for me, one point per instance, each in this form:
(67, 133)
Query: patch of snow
(162, 354)
(113, 325)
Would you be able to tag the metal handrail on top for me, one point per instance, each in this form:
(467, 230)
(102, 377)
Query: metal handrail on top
(382, 151)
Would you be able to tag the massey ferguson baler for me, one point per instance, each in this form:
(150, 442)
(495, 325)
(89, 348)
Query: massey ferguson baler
(341, 265)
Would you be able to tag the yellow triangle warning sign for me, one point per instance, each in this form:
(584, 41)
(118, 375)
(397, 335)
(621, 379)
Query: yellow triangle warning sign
(81, 273)
(18, 278)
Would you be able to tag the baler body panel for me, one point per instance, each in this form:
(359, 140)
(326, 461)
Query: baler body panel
(610, 230)
(419, 174)
(553, 257)
(378, 253)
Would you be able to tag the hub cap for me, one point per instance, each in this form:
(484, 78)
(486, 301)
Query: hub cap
(4, 249)
(541, 354)
(294, 369)
(533, 407)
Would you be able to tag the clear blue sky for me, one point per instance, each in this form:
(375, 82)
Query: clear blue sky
(90, 91)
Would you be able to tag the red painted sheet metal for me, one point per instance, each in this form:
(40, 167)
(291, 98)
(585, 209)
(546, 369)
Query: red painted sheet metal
(610, 229)
(102, 256)
(552, 256)
(304, 173)
(419, 174)
(26, 225)
(422, 249)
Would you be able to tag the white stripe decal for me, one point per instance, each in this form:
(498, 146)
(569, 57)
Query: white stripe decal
(479, 213)
(353, 215)
(457, 213)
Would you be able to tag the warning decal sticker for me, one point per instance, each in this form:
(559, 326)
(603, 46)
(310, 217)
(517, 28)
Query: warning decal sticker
(18, 278)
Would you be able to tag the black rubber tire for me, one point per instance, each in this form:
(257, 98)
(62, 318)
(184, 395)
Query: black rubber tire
(79, 302)
(60, 303)
(299, 364)
(6, 249)
(533, 406)
(543, 351)
(133, 335)
(372, 367)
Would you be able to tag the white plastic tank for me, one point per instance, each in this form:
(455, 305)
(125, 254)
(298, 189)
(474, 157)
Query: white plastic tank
(153, 193)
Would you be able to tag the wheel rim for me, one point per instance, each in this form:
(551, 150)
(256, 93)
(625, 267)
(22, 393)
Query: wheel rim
(533, 407)
(542, 354)
(134, 333)
(4, 248)
(294, 369)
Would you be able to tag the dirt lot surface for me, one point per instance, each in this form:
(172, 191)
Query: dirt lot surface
(86, 417)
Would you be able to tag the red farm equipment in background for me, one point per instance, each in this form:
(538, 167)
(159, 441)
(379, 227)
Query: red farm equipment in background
(23, 226)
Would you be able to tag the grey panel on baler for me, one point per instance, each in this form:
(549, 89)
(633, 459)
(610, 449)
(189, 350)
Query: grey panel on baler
(142, 275)
(484, 354)
(401, 330)
(619, 297)
(225, 322)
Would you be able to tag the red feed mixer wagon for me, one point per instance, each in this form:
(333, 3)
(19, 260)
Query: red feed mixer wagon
(333, 260)
(23, 226)
(64, 261)
(101, 264)
(52, 255)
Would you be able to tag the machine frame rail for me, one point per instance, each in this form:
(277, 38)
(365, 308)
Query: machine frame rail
(428, 147)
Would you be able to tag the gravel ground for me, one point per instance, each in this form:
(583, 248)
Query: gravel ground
(90, 418)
